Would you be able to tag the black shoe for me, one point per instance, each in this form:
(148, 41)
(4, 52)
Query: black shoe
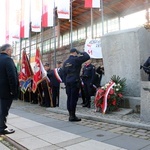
(7, 131)
(85, 105)
(72, 119)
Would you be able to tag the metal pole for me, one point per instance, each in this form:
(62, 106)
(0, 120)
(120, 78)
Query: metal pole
(54, 38)
(30, 40)
(71, 25)
(91, 23)
(42, 42)
(102, 16)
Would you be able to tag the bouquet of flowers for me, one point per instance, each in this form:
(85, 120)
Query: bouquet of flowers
(110, 95)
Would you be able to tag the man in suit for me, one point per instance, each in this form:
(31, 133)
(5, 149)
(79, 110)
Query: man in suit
(71, 74)
(56, 78)
(8, 85)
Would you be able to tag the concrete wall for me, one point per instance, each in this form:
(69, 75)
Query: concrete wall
(123, 53)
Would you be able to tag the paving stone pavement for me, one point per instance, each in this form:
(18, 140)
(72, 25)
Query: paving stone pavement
(131, 131)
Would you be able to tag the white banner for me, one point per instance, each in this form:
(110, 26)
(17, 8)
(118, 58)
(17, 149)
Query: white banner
(63, 9)
(14, 18)
(48, 13)
(93, 48)
(25, 19)
(36, 14)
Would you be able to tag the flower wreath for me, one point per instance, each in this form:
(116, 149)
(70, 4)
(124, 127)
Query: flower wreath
(110, 95)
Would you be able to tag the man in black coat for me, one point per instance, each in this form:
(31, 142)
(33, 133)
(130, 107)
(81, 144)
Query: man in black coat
(8, 85)
(55, 76)
(71, 78)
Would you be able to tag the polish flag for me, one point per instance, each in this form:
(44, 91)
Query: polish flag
(7, 21)
(15, 16)
(92, 4)
(47, 13)
(63, 9)
(25, 19)
(36, 14)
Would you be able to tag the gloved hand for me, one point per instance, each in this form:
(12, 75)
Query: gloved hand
(78, 52)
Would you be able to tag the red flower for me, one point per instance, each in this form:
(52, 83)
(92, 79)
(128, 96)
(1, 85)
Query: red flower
(120, 95)
(114, 102)
(111, 91)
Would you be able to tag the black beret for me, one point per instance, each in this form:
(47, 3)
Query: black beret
(73, 50)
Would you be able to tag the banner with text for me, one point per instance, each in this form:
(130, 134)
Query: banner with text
(93, 48)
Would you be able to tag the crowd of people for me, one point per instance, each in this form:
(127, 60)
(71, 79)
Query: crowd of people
(80, 77)
(79, 81)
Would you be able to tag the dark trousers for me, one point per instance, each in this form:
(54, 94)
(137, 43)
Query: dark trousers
(72, 91)
(88, 91)
(55, 96)
(46, 91)
(4, 109)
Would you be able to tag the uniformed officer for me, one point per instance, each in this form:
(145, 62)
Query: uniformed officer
(71, 70)
(55, 76)
(88, 77)
(146, 67)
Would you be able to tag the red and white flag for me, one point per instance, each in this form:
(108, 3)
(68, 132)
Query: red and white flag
(39, 71)
(36, 14)
(15, 16)
(25, 19)
(63, 9)
(26, 70)
(7, 21)
(92, 4)
(47, 13)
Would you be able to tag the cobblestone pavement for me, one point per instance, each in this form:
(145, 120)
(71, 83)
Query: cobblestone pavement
(119, 129)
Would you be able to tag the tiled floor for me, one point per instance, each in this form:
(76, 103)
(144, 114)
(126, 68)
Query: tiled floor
(37, 136)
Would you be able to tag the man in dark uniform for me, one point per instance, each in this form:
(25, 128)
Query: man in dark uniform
(46, 88)
(9, 85)
(56, 78)
(71, 70)
(146, 67)
(88, 77)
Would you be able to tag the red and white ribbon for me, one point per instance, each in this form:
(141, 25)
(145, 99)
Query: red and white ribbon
(57, 75)
(106, 95)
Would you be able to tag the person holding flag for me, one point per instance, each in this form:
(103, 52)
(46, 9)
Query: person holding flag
(40, 74)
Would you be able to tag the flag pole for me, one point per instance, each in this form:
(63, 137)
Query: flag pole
(91, 23)
(102, 15)
(54, 37)
(42, 34)
(71, 24)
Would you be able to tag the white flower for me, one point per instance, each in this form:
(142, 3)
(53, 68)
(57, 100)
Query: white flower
(118, 84)
(117, 89)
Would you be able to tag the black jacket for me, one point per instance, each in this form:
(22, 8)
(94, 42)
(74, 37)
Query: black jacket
(8, 78)
(72, 67)
(146, 67)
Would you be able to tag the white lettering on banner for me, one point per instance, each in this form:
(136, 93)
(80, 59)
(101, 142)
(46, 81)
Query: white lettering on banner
(93, 48)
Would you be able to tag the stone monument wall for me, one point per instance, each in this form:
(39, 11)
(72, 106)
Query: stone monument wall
(123, 53)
